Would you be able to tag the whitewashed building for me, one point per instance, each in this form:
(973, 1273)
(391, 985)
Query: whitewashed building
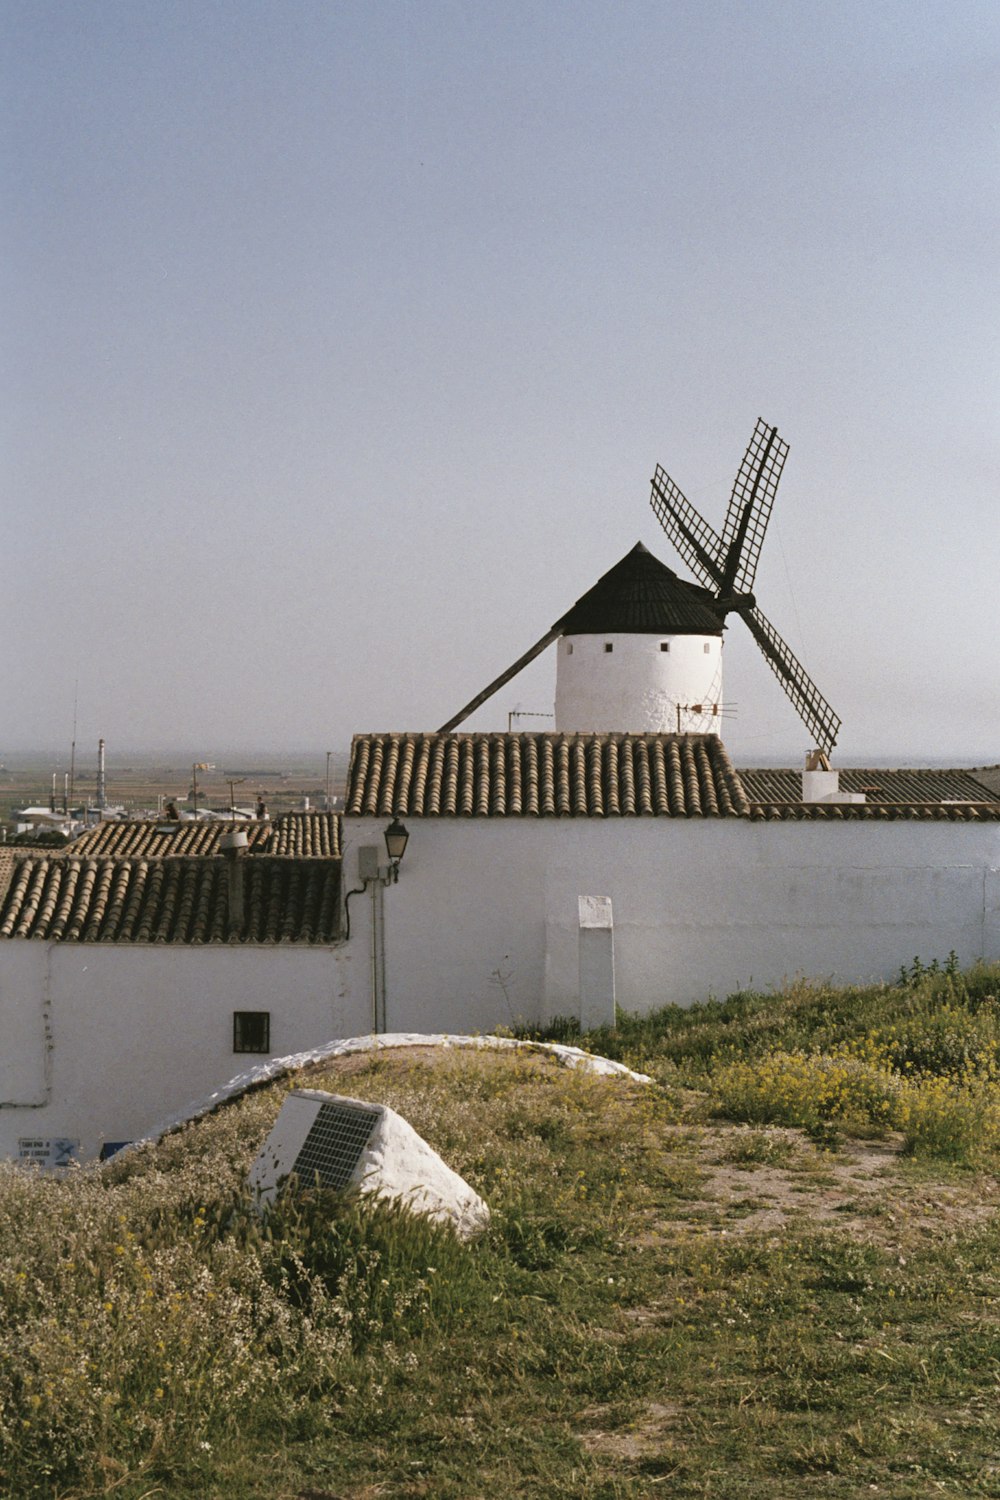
(146, 965)
(712, 880)
(717, 880)
(133, 979)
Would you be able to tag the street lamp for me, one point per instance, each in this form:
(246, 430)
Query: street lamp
(396, 837)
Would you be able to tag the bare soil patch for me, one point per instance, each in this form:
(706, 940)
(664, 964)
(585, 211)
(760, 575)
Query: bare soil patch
(866, 1188)
(641, 1438)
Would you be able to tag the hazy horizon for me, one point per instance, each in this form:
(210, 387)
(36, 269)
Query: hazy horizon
(306, 760)
(341, 343)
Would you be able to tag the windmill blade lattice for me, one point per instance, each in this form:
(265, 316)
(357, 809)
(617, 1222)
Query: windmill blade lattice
(728, 565)
(750, 508)
(813, 709)
(698, 543)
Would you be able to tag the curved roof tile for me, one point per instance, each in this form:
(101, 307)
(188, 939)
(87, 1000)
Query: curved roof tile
(543, 775)
(552, 775)
(293, 835)
(172, 900)
(907, 785)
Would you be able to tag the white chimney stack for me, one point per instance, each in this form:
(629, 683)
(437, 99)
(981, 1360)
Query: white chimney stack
(820, 783)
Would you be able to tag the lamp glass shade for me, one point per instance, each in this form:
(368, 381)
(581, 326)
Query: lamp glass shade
(396, 837)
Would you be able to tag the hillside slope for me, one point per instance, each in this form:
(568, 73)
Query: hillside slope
(727, 1282)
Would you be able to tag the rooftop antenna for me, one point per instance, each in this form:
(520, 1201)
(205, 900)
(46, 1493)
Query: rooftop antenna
(728, 565)
(524, 713)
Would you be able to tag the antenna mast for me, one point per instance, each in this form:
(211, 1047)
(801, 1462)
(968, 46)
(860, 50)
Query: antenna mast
(72, 749)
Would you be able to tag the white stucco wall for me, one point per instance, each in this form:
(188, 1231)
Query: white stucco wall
(99, 1042)
(25, 1025)
(463, 930)
(108, 1041)
(701, 906)
(637, 686)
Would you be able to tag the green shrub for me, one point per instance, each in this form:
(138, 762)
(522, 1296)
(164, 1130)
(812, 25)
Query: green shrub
(943, 1037)
(810, 1090)
(956, 1118)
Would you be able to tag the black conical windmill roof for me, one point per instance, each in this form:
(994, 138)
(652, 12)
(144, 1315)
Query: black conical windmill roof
(641, 596)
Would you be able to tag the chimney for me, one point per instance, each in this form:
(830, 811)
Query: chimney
(233, 847)
(102, 798)
(820, 783)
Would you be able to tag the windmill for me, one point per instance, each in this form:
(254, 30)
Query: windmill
(727, 566)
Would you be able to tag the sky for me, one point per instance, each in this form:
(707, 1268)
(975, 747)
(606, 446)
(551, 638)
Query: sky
(341, 341)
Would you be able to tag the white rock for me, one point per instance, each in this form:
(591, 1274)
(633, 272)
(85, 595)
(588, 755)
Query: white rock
(394, 1163)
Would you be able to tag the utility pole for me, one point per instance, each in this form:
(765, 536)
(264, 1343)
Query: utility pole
(198, 765)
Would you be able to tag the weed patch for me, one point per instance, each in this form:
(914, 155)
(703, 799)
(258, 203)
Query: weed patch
(662, 1301)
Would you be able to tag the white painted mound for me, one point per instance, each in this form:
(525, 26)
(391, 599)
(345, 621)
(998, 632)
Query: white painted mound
(336, 1142)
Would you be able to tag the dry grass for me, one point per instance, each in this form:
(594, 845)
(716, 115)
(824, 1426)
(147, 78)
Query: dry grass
(666, 1302)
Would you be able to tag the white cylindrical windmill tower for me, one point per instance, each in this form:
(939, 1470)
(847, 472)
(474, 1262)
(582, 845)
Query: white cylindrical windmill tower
(641, 653)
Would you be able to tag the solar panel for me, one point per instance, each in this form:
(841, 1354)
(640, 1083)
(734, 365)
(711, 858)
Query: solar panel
(335, 1144)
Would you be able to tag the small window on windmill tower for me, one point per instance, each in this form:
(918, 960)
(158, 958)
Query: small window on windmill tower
(664, 645)
(569, 648)
(707, 648)
(608, 646)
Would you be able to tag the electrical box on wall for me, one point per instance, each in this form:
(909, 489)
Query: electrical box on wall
(368, 862)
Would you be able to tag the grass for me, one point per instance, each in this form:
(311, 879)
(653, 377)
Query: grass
(772, 1272)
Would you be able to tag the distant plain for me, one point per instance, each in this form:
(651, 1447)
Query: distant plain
(143, 781)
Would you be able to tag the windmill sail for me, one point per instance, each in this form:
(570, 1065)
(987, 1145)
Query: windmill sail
(812, 708)
(695, 540)
(750, 508)
(728, 565)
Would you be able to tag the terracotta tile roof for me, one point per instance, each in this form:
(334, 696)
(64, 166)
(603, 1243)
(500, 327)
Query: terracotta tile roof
(12, 854)
(171, 900)
(543, 775)
(921, 785)
(624, 775)
(989, 776)
(152, 838)
(294, 834)
(304, 835)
